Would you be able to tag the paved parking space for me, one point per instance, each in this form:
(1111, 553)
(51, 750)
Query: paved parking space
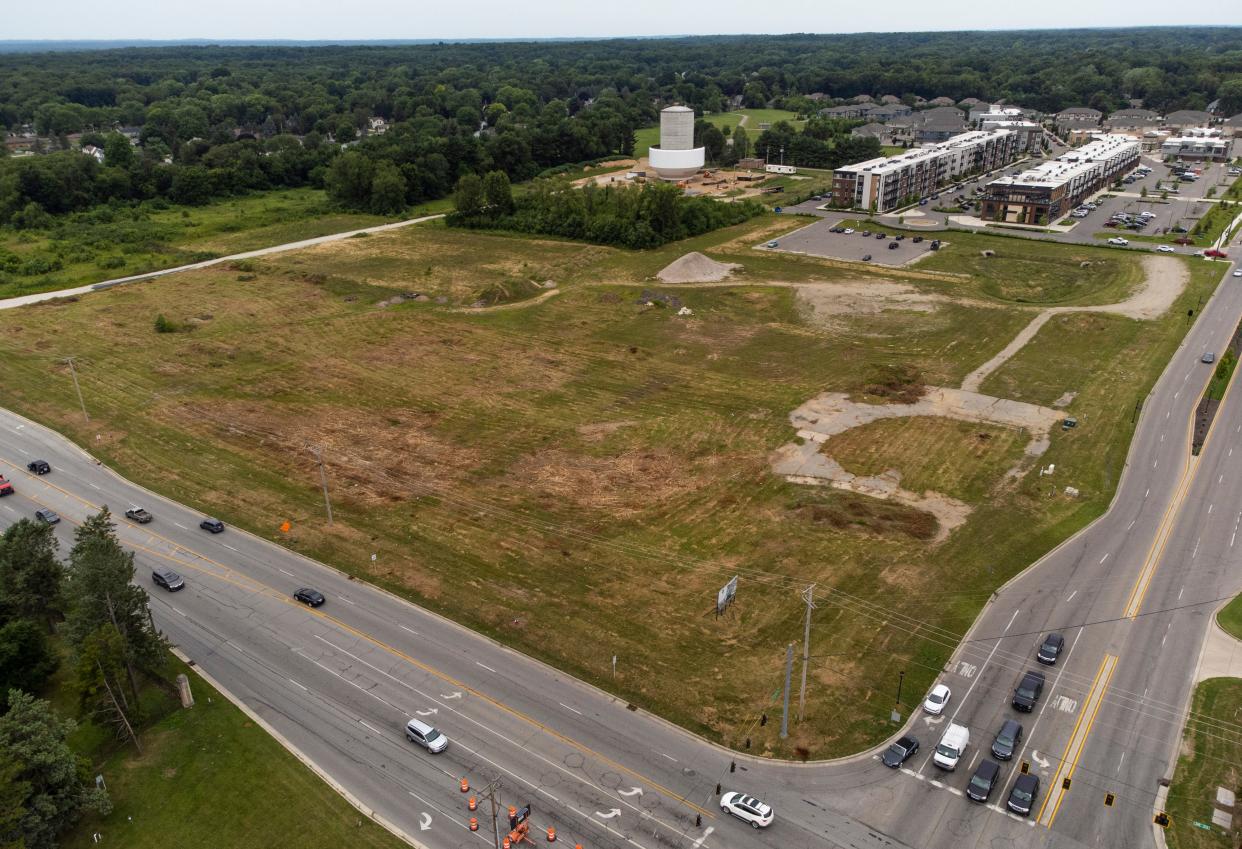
(818, 240)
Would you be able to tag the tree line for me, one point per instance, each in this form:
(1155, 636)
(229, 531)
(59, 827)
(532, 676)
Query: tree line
(102, 619)
(645, 216)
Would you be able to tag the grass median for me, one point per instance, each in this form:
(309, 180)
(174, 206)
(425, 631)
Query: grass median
(1210, 754)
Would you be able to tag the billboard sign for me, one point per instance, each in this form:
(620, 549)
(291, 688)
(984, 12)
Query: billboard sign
(726, 594)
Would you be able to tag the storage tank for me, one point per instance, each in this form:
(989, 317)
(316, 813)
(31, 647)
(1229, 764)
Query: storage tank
(676, 157)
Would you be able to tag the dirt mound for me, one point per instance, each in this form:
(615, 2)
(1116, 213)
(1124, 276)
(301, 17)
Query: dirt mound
(696, 268)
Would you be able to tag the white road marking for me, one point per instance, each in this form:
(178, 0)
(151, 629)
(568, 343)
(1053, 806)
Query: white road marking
(706, 833)
(1132, 521)
(954, 791)
(485, 666)
(1147, 493)
(183, 527)
(1071, 595)
(935, 783)
(1195, 551)
(1179, 592)
(1162, 437)
(96, 487)
(411, 630)
(670, 757)
(1105, 557)
(303, 686)
(567, 707)
(286, 571)
(347, 601)
(1232, 537)
(175, 610)
(966, 670)
(1210, 506)
(1155, 463)
(229, 547)
(368, 725)
(1065, 704)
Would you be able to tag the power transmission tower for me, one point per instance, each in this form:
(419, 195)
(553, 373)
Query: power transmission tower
(73, 371)
(323, 481)
(807, 596)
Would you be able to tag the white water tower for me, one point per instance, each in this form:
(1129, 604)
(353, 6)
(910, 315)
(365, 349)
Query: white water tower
(676, 157)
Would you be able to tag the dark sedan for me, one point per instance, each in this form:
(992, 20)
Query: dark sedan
(900, 752)
(310, 597)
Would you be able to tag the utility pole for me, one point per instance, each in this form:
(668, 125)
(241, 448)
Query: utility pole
(323, 481)
(491, 792)
(807, 595)
(73, 371)
(788, 677)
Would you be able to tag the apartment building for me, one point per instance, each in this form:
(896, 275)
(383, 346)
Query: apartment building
(1200, 145)
(887, 183)
(1051, 190)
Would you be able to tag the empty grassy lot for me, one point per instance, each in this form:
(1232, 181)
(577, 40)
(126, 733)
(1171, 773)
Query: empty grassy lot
(576, 477)
(1209, 759)
(645, 137)
(104, 244)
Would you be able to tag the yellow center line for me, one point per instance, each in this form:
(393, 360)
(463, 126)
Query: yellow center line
(1065, 755)
(246, 582)
(1098, 696)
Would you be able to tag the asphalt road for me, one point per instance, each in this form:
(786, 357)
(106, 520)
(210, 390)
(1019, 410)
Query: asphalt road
(339, 682)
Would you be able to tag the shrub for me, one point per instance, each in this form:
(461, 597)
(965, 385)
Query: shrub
(163, 325)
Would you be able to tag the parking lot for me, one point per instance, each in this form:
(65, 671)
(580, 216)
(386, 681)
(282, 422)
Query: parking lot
(818, 240)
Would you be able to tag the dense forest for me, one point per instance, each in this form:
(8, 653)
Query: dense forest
(214, 121)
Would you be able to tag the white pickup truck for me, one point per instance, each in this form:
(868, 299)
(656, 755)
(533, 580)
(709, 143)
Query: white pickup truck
(952, 746)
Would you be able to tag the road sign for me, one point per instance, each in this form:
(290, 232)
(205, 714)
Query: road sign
(726, 594)
(895, 717)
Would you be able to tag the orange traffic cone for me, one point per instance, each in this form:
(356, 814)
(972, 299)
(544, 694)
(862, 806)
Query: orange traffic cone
(505, 843)
(465, 786)
(474, 823)
(472, 803)
(551, 834)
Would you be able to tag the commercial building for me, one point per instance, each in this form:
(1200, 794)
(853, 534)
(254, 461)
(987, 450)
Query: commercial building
(884, 184)
(1030, 135)
(1051, 190)
(1197, 146)
(676, 157)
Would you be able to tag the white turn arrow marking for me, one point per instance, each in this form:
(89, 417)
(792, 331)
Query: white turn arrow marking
(706, 834)
(633, 791)
(426, 712)
(456, 694)
(933, 720)
(424, 821)
(615, 812)
(1043, 764)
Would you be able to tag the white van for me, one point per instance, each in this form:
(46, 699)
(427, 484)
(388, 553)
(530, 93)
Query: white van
(952, 746)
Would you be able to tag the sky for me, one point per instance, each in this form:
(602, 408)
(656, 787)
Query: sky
(415, 19)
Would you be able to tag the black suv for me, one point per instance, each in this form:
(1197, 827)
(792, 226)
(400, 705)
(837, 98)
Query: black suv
(168, 579)
(1007, 739)
(1028, 691)
(1050, 649)
(1023, 794)
(213, 525)
(39, 467)
(986, 776)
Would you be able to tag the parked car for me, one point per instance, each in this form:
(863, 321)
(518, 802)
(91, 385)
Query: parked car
(39, 467)
(431, 739)
(917, 239)
(213, 525)
(138, 514)
(849, 230)
(900, 752)
(308, 596)
(1028, 691)
(881, 236)
(866, 232)
(1117, 240)
(1050, 649)
(987, 775)
(168, 579)
(1208, 357)
(1165, 249)
(892, 246)
(935, 244)
(773, 244)
(1007, 739)
(866, 258)
(937, 699)
(899, 236)
(47, 516)
(1023, 793)
(748, 809)
(1215, 252)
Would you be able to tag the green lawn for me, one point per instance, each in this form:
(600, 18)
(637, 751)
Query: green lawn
(1230, 617)
(209, 777)
(1211, 753)
(620, 450)
(645, 137)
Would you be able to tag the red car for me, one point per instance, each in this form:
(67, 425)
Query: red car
(6, 488)
(1215, 253)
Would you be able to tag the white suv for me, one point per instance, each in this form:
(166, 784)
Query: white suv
(748, 809)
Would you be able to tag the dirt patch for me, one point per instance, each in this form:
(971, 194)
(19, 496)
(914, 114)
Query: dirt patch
(850, 512)
(694, 267)
(1166, 279)
(900, 383)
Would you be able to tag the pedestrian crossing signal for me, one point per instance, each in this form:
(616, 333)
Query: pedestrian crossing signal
(1162, 820)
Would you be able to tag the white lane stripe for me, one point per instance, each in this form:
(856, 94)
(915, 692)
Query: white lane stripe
(96, 487)
(303, 686)
(286, 571)
(411, 630)
(175, 610)
(183, 527)
(369, 725)
(670, 757)
(485, 666)
(229, 547)
(1105, 557)
(1071, 595)
(567, 707)
(342, 598)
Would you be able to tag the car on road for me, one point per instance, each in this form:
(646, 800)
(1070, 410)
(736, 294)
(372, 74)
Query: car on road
(431, 739)
(773, 244)
(47, 516)
(952, 746)
(213, 525)
(6, 488)
(848, 231)
(900, 752)
(881, 236)
(39, 467)
(1117, 240)
(1237, 272)
(308, 596)
(917, 239)
(1165, 249)
(1027, 693)
(138, 514)
(1023, 793)
(899, 236)
(1215, 252)
(168, 579)
(1208, 357)
(1007, 739)
(937, 699)
(987, 776)
(866, 258)
(1050, 649)
(748, 809)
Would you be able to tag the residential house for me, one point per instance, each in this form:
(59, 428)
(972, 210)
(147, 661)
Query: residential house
(939, 124)
(96, 152)
(1133, 121)
(941, 101)
(1186, 118)
(1077, 118)
(872, 131)
(890, 100)
(886, 113)
(1233, 126)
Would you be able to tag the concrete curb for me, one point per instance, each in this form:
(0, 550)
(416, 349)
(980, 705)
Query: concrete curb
(378, 819)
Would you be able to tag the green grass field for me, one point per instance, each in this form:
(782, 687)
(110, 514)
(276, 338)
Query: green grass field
(1209, 759)
(610, 453)
(103, 245)
(212, 778)
(645, 137)
(1230, 617)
